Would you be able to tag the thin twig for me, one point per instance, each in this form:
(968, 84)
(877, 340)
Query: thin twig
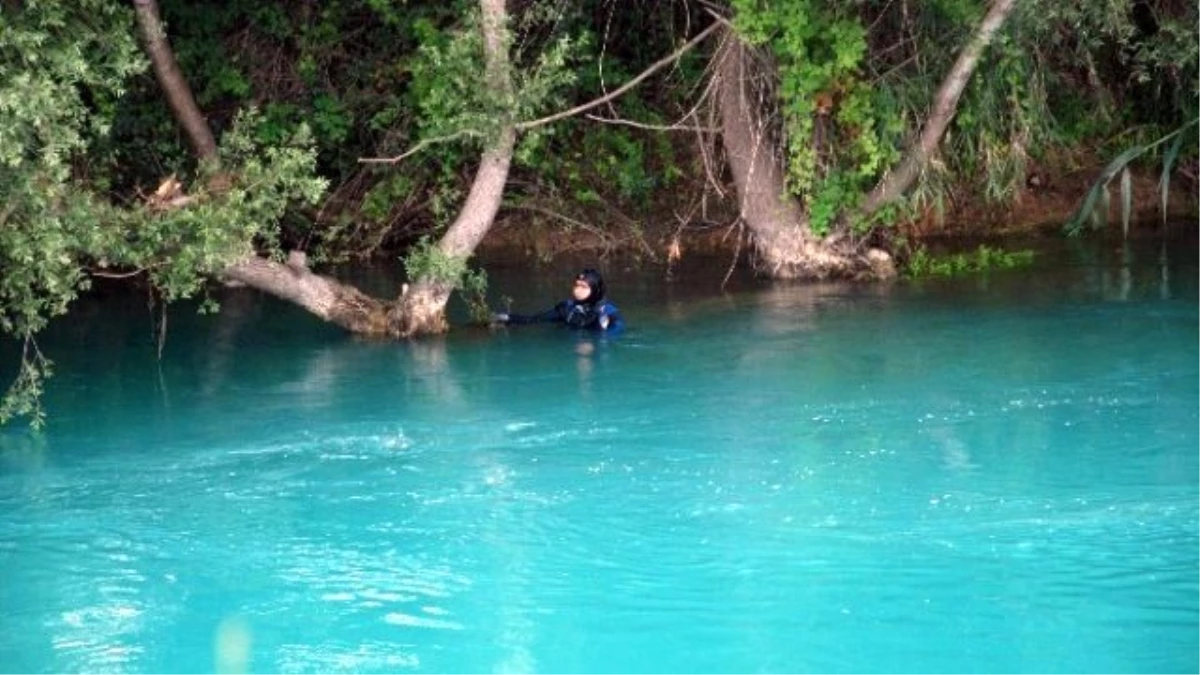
(419, 147)
(556, 214)
(115, 275)
(737, 252)
(652, 127)
(889, 71)
(522, 126)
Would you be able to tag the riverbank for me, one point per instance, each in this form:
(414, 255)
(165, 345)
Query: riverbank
(661, 234)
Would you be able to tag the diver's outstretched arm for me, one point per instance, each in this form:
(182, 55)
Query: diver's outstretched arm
(555, 313)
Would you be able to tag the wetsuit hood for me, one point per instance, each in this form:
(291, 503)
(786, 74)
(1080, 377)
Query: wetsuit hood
(594, 282)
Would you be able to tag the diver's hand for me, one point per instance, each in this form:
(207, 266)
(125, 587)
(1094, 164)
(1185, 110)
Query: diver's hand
(603, 322)
(500, 317)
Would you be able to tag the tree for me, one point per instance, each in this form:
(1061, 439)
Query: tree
(174, 87)
(837, 121)
(420, 307)
(789, 248)
(44, 120)
(790, 244)
(945, 105)
(63, 67)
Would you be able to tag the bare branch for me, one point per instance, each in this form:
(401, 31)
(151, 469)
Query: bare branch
(323, 296)
(657, 65)
(117, 275)
(652, 127)
(419, 147)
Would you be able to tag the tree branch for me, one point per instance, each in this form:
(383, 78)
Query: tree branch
(323, 296)
(657, 65)
(418, 147)
(522, 126)
(172, 81)
(651, 127)
(945, 105)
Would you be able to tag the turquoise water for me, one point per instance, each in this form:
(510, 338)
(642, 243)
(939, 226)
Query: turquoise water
(996, 474)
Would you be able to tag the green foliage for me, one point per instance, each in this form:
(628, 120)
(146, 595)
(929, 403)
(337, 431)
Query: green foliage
(618, 159)
(46, 121)
(449, 87)
(277, 121)
(425, 261)
(835, 193)
(1002, 118)
(543, 73)
(330, 120)
(921, 263)
(855, 82)
(457, 98)
(55, 104)
(838, 128)
(390, 12)
(180, 248)
(578, 162)
(24, 397)
(1117, 74)
(381, 198)
(1096, 203)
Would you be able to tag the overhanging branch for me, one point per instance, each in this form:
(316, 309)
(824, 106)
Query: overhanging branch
(615, 93)
(531, 124)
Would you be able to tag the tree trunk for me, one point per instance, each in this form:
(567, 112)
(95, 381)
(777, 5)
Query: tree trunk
(896, 182)
(422, 306)
(788, 249)
(170, 78)
(327, 298)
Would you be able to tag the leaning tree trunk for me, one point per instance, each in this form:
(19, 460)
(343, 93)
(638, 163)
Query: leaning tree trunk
(787, 248)
(945, 105)
(175, 88)
(421, 307)
(327, 298)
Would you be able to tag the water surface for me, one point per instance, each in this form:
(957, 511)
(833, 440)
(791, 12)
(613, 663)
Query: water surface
(989, 474)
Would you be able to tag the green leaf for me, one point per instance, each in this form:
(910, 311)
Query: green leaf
(1126, 201)
(1164, 181)
(1099, 189)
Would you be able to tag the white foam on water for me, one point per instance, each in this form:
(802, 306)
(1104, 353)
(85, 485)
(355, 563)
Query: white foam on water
(402, 619)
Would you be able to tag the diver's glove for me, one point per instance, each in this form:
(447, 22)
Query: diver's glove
(500, 317)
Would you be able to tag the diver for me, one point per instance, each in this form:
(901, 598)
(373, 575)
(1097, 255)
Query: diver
(587, 308)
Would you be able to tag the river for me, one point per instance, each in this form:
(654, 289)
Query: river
(994, 473)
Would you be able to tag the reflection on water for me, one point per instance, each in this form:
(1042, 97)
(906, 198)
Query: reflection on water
(998, 470)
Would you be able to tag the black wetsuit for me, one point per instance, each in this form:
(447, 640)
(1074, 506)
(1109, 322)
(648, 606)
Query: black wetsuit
(598, 316)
